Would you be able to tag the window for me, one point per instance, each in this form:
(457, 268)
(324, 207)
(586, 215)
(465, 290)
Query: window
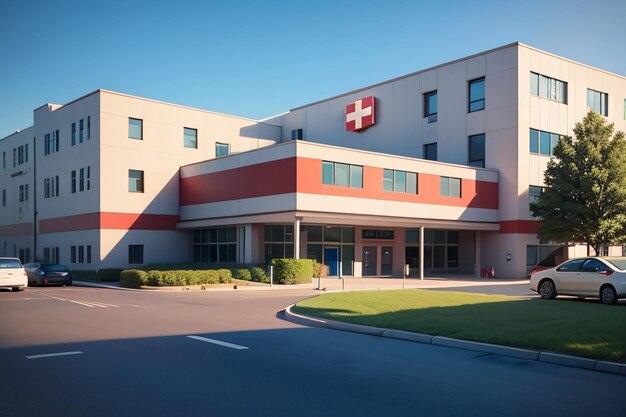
(278, 241)
(534, 192)
(73, 181)
(81, 254)
(297, 134)
(51, 187)
(57, 139)
(81, 130)
(81, 181)
(73, 134)
(477, 150)
(88, 127)
(14, 157)
(135, 181)
(135, 254)
(543, 143)
(430, 151)
(190, 137)
(216, 245)
(598, 102)
(4, 197)
(88, 179)
(73, 254)
(345, 175)
(4, 154)
(594, 265)
(571, 266)
(476, 95)
(450, 187)
(88, 254)
(547, 87)
(400, 181)
(23, 191)
(221, 149)
(135, 128)
(430, 106)
(377, 234)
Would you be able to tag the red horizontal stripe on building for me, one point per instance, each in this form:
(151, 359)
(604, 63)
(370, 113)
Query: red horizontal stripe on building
(20, 229)
(529, 227)
(259, 180)
(107, 220)
(304, 175)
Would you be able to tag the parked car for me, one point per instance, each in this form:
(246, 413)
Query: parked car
(12, 274)
(43, 273)
(596, 277)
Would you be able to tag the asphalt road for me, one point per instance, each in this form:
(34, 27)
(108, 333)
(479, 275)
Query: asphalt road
(137, 359)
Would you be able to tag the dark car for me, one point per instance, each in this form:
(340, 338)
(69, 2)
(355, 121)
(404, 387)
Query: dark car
(41, 273)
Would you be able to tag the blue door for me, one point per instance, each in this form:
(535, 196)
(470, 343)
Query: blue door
(331, 259)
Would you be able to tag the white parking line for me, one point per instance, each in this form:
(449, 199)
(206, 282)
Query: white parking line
(83, 303)
(218, 342)
(50, 355)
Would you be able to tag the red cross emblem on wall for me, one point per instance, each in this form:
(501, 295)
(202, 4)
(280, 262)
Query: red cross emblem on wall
(360, 114)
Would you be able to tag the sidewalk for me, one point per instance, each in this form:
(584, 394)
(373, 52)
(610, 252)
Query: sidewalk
(335, 284)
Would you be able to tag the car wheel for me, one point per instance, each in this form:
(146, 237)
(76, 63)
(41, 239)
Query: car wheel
(608, 295)
(15, 289)
(547, 289)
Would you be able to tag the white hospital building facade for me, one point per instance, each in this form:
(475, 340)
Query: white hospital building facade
(435, 169)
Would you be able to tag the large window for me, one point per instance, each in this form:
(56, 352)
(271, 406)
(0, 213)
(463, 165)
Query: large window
(476, 95)
(345, 175)
(450, 187)
(51, 143)
(477, 150)
(190, 137)
(222, 149)
(297, 134)
(325, 241)
(135, 181)
(51, 187)
(547, 87)
(278, 241)
(430, 106)
(135, 254)
(400, 181)
(135, 128)
(215, 245)
(430, 151)
(543, 143)
(598, 102)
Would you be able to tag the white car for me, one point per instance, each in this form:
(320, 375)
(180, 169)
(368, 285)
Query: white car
(12, 274)
(597, 277)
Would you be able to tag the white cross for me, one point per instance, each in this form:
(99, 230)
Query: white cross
(358, 114)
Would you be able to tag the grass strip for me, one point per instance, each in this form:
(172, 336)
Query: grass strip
(578, 327)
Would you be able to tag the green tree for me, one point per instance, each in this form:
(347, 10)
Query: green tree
(585, 196)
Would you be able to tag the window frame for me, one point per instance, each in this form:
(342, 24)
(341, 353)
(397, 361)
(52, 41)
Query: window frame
(139, 183)
(472, 162)
(136, 254)
(469, 95)
(187, 144)
(604, 104)
(134, 119)
(352, 171)
(220, 145)
(428, 113)
(445, 179)
(428, 146)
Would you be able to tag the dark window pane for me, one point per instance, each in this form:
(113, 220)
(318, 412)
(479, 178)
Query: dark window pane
(430, 152)
(534, 141)
(544, 143)
(327, 173)
(348, 234)
(332, 234)
(314, 233)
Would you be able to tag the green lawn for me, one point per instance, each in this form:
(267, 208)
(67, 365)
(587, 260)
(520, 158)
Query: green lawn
(583, 328)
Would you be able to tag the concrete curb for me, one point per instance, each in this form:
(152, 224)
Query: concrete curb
(512, 352)
(99, 285)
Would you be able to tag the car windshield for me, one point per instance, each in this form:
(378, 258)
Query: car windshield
(619, 263)
(10, 263)
(54, 268)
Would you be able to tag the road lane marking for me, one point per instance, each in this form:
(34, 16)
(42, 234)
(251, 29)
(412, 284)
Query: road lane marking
(51, 355)
(218, 342)
(83, 303)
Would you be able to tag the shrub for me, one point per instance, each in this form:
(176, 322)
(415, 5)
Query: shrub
(225, 276)
(133, 278)
(292, 271)
(319, 270)
(242, 274)
(109, 274)
(258, 275)
(186, 277)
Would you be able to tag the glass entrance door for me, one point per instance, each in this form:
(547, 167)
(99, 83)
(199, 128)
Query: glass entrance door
(331, 259)
(370, 259)
(386, 261)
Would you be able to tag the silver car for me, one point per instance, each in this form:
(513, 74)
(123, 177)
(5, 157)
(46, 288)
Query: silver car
(596, 277)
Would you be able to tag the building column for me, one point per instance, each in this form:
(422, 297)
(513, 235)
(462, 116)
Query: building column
(296, 238)
(477, 254)
(421, 252)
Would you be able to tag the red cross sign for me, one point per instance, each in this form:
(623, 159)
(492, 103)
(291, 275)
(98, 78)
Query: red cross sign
(360, 114)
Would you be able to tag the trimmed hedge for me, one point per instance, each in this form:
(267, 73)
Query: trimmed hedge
(242, 274)
(258, 275)
(292, 271)
(133, 278)
(109, 274)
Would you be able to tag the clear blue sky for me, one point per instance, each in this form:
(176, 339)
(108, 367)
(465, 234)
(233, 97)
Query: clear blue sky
(260, 58)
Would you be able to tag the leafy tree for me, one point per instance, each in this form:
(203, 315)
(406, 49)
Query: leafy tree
(585, 198)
